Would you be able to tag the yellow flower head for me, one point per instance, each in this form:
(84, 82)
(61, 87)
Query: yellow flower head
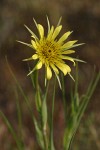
(51, 51)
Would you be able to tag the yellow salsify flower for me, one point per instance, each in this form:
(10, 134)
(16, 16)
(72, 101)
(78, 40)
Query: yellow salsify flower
(51, 51)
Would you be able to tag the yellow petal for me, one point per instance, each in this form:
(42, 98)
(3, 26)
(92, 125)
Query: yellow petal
(39, 65)
(68, 52)
(33, 44)
(64, 37)
(41, 30)
(35, 56)
(56, 31)
(54, 68)
(50, 33)
(69, 44)
(68, 58)
(64, 68)
(49, 72)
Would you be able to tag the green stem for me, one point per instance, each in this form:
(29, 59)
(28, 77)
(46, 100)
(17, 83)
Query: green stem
(69, 141)
(45, 139)
(64, 99)
(52, 112)
(44, 127)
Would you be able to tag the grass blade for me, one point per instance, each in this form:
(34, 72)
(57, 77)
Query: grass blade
(8, 124)
(21, 90)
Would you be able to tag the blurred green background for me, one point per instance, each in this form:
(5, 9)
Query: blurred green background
(82, 17)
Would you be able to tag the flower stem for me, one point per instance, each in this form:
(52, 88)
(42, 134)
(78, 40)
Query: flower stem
(44, 130)
(64, 99)
(44, 120)
(51, 123)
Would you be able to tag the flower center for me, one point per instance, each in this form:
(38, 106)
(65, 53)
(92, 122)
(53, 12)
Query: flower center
(48, 51)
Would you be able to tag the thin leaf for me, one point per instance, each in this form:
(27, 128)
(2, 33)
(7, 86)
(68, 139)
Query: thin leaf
(34, 69)
(48, 24)
(39, 134)
(83, 106)
(8, 124)
(79, 60)
(33, 35)
(21, 91)
(58, 80)
(19, 114)
(71, 77)
(88, 95)
(74, 122)
(76, 45)
(35, 23)
(58, 24)
(44, 113)
(29, 45)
